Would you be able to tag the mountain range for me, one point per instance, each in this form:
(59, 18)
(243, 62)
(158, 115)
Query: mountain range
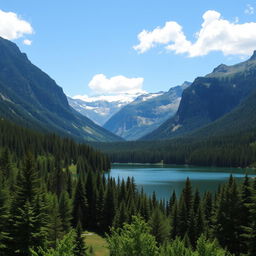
(145, 113)
(100, 108)
(29, 97)
(217, 104)
(210, 98)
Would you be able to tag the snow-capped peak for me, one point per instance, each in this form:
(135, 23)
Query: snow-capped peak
(122, 98)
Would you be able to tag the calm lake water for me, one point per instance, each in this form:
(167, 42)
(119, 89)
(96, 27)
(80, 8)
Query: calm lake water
(163, 180)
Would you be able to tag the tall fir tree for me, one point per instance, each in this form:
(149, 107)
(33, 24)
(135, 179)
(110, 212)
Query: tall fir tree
(80, 248)
(23, 222)
(80, 205)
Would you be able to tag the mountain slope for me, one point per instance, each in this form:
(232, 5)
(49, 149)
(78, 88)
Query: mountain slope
(210, 98)
(31, 98)
(146, 113)
(240, 119)
(100, 108)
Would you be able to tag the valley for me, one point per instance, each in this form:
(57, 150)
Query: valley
(127, 171)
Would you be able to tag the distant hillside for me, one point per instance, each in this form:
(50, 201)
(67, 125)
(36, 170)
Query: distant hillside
(210, 98)
(145, 113)
(29, 97)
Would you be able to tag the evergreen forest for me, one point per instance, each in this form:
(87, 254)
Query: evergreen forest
(53, 189)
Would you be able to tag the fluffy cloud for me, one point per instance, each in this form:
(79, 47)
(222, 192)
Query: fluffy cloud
(216, 34)
(115, 85)
(249, 10)
(12, 26)
(27, 42)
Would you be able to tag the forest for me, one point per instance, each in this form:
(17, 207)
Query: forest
(52, 189)
(238, 149)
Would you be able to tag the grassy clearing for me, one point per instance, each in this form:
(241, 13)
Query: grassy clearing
(98, 244)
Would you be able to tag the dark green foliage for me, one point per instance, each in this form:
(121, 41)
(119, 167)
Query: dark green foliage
(79, 248)
(80, 205)
(37, 212)
(228, 219)
(55, 223)
(65, 210)
(160, 227)
(4, 216)
(25, 225)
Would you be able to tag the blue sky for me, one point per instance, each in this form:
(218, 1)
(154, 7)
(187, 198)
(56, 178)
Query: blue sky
(73, 41)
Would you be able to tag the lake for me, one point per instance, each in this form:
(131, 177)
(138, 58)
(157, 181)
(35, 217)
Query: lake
(164, 179)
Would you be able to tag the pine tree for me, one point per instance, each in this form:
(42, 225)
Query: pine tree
(4, 216)
(65, 210)
(227, 221)
(42, 218)
(80, 247)
(91, 192)
(159, 226)
(109, 208)
(171, 202)
(80, 206)
(251, 230)
(245, 214)
(100, 207)
(55, 224)
(174, 221)
(121, 216)
(23, 228)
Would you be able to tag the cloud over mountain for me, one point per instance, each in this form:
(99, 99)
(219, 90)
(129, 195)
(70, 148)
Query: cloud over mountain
(100, 84)
(215, 34)
(13, 27)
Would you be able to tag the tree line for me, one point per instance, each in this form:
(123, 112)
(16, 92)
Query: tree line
(233, 150)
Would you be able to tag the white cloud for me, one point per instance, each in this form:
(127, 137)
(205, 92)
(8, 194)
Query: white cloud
(12, 26)
(249, 9)
(170, 32)
(100, 84)
(216, 34)
(27, 42)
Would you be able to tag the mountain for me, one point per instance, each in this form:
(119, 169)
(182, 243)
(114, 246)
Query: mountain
(29, 97)
(209, 98)
(240, 120)
(100, 108)
(145, 113)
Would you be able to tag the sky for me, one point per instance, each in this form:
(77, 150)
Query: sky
(93, 47)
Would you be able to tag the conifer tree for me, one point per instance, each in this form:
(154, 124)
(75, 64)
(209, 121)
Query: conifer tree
(121, 216)
(245, 215)
(91, 193)
(4, 216)
(79, 246)
(80, 205)
(159, 226)
(174, 221)
(100, 207)
(24, 231)
(65, 210)
(109, 208)
(251, 230)
(55, 224)
(228, 225)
